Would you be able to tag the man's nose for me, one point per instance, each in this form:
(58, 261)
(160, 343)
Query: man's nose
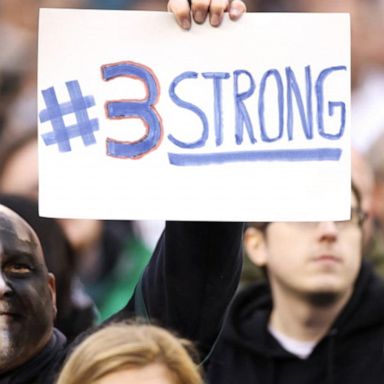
(327, 231)
(4, 287)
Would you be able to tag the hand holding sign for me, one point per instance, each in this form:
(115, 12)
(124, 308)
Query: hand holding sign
(182, 10)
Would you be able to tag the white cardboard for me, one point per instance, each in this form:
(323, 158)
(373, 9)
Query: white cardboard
(84, 182)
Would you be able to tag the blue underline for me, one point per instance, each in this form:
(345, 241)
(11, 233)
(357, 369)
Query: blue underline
(315, 154)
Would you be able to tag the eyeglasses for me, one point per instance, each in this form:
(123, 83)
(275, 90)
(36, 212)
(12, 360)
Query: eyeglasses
(358, 216)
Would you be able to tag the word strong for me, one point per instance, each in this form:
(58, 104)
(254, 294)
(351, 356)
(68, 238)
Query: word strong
(290, 94)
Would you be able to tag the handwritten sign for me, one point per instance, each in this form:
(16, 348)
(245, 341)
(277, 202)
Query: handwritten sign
(141, 120)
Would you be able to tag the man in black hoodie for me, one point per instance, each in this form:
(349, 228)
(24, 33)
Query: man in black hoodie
(319, 318)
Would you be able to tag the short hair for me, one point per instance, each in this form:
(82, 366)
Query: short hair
(123, 346)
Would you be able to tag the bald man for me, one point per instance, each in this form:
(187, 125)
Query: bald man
(27, 299)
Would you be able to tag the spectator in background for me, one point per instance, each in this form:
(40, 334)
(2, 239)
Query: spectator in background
(131, 353)
(318, 319)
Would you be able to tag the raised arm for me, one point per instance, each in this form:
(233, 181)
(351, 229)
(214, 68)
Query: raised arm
(192, 278)
(199, 10)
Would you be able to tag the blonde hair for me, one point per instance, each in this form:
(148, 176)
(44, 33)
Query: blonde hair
(122, 346)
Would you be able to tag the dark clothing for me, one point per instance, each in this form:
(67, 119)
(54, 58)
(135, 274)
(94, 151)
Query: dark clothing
(189, 287)
(351, 353)
(186, 287)
(40, 369)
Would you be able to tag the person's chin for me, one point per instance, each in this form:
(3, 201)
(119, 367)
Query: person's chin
(323, 298)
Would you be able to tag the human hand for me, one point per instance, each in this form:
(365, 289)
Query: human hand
(185, 10)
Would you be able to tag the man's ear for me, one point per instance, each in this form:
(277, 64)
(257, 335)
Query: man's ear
(255, 247)
(52, 291)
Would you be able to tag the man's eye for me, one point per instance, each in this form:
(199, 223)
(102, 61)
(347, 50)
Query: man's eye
(19, 269)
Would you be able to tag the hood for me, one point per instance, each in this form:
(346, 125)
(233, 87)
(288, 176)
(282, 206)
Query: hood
(247, 321)
(365, 309)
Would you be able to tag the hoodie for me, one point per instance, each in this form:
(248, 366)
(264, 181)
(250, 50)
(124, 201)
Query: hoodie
(352, 352)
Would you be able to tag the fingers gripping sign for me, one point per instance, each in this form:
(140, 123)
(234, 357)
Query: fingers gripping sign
(199, 10)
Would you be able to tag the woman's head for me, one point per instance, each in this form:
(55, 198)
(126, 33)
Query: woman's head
(128, 353)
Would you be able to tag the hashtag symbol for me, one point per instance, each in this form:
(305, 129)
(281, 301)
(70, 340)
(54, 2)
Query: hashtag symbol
(55, 112)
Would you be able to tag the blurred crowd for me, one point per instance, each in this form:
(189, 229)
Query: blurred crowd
(96, 261)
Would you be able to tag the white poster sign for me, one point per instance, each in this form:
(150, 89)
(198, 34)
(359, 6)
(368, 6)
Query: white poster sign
(139, 119)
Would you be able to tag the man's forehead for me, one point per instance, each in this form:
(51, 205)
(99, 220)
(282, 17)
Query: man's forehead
(12, 225)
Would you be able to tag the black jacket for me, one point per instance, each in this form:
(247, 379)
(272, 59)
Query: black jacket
(351, 353)
(186, 287)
